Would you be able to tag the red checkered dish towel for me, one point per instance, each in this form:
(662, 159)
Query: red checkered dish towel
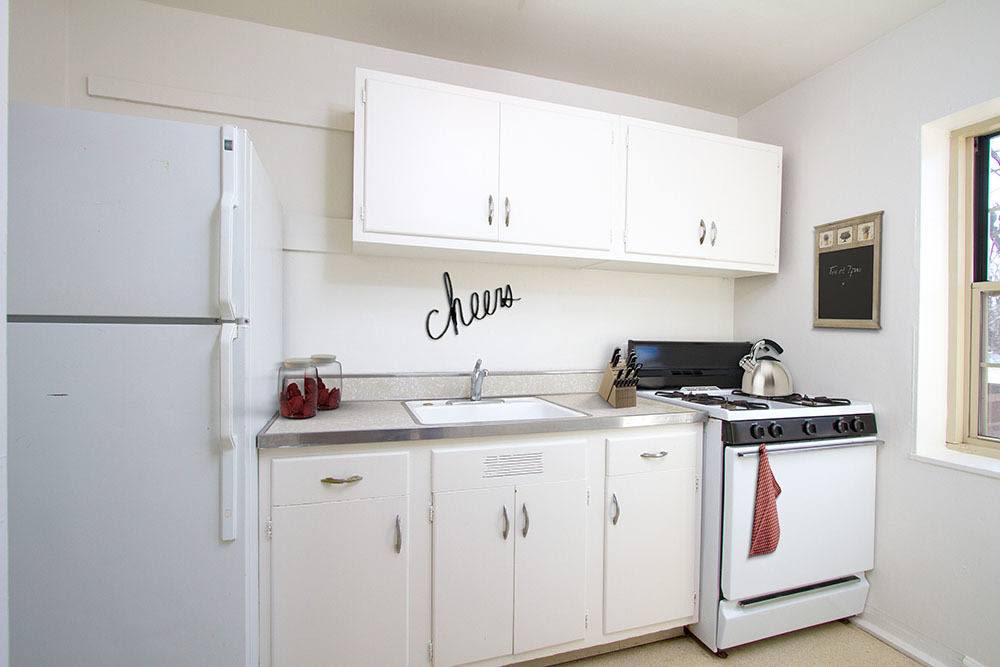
(766, 531)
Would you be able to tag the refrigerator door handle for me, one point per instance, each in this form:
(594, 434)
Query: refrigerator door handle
(228, 202)
(227, 440)
(228, 310)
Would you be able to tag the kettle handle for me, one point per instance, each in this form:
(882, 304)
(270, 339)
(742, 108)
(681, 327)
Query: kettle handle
(773, 345)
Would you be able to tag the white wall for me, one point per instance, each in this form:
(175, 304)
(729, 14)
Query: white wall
(852, 145)
(368, 310)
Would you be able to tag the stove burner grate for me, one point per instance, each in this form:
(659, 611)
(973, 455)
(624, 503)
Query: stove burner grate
(723, 402)
(798, 399)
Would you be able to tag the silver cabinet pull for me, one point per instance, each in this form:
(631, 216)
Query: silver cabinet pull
(524, 509)
(490, 217)
(506, 214)
(715, 232)
(618, 509)
(399, 536)
(701, 232)
(338, 480)
(652, 455)
(506, 523)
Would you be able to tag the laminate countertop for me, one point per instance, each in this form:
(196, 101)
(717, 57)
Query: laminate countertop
(390, 421)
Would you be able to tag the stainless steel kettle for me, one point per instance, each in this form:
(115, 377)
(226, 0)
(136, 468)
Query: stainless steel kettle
(764, 375)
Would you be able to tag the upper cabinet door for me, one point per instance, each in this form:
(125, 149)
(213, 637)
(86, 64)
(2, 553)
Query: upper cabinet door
(431, 161)
(745, 227)
(671, 193)
(556, 176)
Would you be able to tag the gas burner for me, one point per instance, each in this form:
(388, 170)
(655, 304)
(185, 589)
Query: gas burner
(723, 402)
(811, 401)
(797, 399)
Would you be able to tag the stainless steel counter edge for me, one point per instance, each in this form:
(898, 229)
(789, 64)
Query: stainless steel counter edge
(480, 430)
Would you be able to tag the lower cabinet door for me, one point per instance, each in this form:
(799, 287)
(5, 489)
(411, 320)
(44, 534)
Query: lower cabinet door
(339, 583)
(473, 575)
(651, 549)
(550, 565)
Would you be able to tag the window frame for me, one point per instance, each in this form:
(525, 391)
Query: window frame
(975, 278)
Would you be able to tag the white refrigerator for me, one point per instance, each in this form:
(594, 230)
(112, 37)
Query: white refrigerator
(145, 330)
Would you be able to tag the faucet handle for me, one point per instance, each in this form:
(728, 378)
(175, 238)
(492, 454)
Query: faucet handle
(479, 364)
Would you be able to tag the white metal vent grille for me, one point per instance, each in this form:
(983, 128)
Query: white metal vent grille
(509, 465)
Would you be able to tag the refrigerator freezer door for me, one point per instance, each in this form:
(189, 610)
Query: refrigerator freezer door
(114, 459)
(117, 216)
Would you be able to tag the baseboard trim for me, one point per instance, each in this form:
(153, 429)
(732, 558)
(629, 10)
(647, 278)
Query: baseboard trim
(601, 649)
(905, 639)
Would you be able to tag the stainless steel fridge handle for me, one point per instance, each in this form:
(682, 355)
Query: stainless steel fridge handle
(227, 432)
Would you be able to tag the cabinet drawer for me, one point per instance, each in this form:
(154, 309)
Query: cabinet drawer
(667, 450)
(316, 479)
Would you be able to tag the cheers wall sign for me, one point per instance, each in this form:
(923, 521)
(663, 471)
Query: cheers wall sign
(479, 307)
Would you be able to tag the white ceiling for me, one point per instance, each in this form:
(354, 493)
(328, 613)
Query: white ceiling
(726, 56)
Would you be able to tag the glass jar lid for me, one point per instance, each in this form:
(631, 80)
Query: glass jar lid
(297, 362)
(324, 358)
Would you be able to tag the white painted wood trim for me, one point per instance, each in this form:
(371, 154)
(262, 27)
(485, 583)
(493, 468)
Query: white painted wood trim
(331, 118)
(923, 649)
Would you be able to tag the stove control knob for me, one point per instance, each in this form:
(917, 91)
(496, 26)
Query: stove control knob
(858, 425)
(841, 425)
(756, 431)
(809, 428)
(775, 430)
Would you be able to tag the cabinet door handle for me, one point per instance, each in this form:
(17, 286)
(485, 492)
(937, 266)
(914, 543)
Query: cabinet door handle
(490, 217)
(506, 214)
(652, 455)
(399, 535)
(618, 509)
(524, 509)
(506, 523)
(701, 232)
(715, 232)
(338, 480)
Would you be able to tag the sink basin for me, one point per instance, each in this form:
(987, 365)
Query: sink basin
(464, 411)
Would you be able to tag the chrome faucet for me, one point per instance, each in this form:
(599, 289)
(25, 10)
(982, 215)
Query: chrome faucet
(478, 375)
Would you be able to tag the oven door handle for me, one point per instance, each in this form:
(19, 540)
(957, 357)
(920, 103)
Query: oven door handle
(805, 448)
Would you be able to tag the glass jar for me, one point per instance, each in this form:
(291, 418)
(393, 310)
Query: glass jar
(331, 381)
(297, 380)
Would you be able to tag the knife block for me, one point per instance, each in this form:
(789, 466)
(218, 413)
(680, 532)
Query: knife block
(617, 397)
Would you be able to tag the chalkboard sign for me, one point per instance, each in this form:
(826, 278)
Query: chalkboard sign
(848, 273)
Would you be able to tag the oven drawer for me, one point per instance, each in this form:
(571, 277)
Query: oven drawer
(826, 511)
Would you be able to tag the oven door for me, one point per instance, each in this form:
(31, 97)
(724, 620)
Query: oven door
(826, 511)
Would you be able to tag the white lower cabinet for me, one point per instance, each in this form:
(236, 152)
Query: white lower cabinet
(649, 553)
(550, 565)
(651, 530)
(476, 552)
(339, 583)
(473, 561)
(509, 572)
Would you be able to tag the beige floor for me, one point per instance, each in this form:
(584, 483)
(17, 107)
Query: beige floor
(839, 644)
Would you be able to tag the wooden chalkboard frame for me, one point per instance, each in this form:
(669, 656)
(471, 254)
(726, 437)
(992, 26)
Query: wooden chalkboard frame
(826, 238)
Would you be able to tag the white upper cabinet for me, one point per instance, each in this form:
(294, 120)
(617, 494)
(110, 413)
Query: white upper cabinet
(430, 162)
(556, 175)
(440, 170)
(695, 196)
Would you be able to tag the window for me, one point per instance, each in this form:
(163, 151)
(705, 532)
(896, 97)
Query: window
(984, 359)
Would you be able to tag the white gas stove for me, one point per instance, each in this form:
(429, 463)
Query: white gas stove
(822, 452)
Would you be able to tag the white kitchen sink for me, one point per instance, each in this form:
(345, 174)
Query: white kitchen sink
(464, 411)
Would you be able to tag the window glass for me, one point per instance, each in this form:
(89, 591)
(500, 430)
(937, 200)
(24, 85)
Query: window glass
(989, 164)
